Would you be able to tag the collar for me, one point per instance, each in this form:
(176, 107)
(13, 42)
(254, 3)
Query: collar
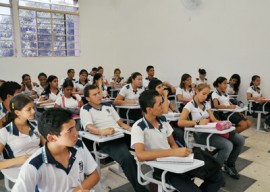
(220, 94)
(4, 109)
(196, 105)
(12, 128)
(149, 125)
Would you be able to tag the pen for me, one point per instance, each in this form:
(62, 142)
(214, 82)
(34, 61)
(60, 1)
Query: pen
(178, 143)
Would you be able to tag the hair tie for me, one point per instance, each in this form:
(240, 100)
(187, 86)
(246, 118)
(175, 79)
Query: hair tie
(12, 105)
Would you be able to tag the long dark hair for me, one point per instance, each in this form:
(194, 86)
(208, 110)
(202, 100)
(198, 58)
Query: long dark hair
(69, 83)
(184, 77)
(18, 102)
(133, 76)
(237, 84)
(219, 80)
(254, 77)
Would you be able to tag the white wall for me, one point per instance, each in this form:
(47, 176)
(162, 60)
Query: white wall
(222, 36)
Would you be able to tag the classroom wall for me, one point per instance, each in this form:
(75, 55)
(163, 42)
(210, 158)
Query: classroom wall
(224, 37)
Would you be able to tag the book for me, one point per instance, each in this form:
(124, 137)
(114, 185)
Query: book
(209, 125)
(174, 159)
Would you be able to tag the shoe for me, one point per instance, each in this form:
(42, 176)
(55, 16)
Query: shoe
(231, 171)
(266, 127)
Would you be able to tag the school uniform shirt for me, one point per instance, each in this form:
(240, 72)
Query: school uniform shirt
(41, 172)
(28, 91)
(90, 77)
(63, 80)
(230, 89)
(68, 102)
(146, 81)
(3, 110)
(153, 138)
(196, 113)
(222, 99)
(52, 96)
(253, 92)
(17, 144)
(38, 89)
(104, 117)
(79, 86)
(119, 81)
(185, 93)
(129, 94)
(199, 81)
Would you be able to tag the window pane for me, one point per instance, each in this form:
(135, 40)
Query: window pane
(60, 53)
(27, 13)
(34, 4)
(45, 53)
(6, 44)
(29, 53)
(5, 11)
(29, 45)
(4, 1)
(28, 29)
(44, 37)
(29, 37)
(59, 38)
(27, 21)
(6, 52)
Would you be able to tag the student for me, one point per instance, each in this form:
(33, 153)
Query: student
(117, 81)
(202, 77)
(233, 85)
(51, 91)
(27, 84)
(70, 76)
(151, 137)
(38, 89)
(102, 119)
(198, 112)
(129, 95)
(100, 70)
(7, 90)
(156, 84)
(185, 92)
(91, 75)
(19, 139)
(98, 81)
(82, 82)
(63, 162)
(222, 101)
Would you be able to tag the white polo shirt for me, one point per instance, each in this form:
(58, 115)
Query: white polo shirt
(38, 89)
(230, 89)
(121, 80)
(68, 102)
(129, 94)
(51, 95)
(17, 144)
(185, 93)
(146, 81)
(222, 99)
(79, 86)
(41, 172)
(199, 81)
(253, 92)
(196, 113)
(3, 110)
(104, 117)
(153, 138)
(63, 80)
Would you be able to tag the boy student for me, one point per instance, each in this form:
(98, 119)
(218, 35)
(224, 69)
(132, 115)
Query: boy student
(7, 90)
(152, 138)
(64, 163)
(102, 119)
(70, 76)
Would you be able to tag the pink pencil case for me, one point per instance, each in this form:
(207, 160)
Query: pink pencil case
(223, 125)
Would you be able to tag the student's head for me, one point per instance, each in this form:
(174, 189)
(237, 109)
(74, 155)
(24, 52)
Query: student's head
(117, 72)
(42, 77)
(52, 81)
(235, 80)
(71, 73)
(100, 70)
(83, 75)
(68, 88)
(202, 91)
(220, 83)
(150, 70)
(202, 73)
(135, 79)
(8, 89)
(156, 84)
(1, 81)
(185, 81)
(92, 94)
(57, 126)
(96, 78)
(22, 107)
(255, 80)
(26, 79)
(93, 71)
(151, 102)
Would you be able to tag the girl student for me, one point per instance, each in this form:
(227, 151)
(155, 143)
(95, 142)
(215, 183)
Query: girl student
(82, 82)
(234, 84)
(221, 100)
(51, 91)
(198, 112)
(157, 85)
(38, 89)
(129, 95)
(185, 92)
(117, 81)
(20, 137)
(27, 84)
(98, 81)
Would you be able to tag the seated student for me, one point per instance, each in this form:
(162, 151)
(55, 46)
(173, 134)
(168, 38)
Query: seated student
(129, 95)
(198, 112)
(38, 89)
(51, 91)
(70, 76)
(82, 82)
(202, 78)
(157, 85)
(20, 138)
(27, 84)
(98, 81)
(100, 70)
(222, 101)
(92, 74)
(7, 90)
(233, 88)
(102, 119)
(185, 92)
(63, 162)
(152, 138)
(117, 81)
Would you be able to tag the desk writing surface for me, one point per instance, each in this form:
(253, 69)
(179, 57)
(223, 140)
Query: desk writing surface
(135, 106)
(11, 173)
(99, 138)
(209, 130)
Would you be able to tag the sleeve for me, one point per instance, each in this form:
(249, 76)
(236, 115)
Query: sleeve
(145, 83)
(249, 90)
(215, 96)
(3, 136)
(169, 129)
(111, 80)
(207, 106)
(123, 91)
(114, 114)
(137, 135)
(86, 118)
(27, 179)
(90, 163)
(78, 97)
(179, 91)
(58, 101)
(189, 106)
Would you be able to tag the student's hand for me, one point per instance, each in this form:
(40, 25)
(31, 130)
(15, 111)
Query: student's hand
(80, 190)
(232, 106)
(34, 84)
(108, 131)
(165, 93)
(204, 121)
(182, 152)
(22, 159)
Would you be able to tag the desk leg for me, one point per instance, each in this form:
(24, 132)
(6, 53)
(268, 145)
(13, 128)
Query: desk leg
(259, 121)
(163, 183)
(208, 142)
(128, 123)
(186, 135)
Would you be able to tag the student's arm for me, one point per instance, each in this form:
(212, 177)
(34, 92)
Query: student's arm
(123, 125)
(102, 132)
(249, 97)
(184, 122)
(172, 108)
(172, 142)
(212, 116)
(218, 106)
(167, 84)
(182, 99)
(88, 183)
(57, 106)
(119, 100)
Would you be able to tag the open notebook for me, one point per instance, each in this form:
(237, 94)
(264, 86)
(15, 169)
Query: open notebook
(188, 159)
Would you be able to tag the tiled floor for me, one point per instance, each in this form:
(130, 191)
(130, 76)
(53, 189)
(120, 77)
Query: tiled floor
(255, 171)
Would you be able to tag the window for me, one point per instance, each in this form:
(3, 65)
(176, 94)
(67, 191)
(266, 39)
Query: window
(49, 27)
(7, 45)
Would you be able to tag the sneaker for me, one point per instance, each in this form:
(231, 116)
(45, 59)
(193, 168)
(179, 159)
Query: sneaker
(231, 171)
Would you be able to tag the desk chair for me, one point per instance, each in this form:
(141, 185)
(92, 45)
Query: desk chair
(178, 104)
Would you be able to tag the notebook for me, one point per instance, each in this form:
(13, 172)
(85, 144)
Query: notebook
(174, 159)
(209, 125)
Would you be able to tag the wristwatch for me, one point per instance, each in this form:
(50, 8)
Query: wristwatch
(198, 122)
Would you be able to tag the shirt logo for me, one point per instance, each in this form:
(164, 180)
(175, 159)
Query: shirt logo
(81, 166)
